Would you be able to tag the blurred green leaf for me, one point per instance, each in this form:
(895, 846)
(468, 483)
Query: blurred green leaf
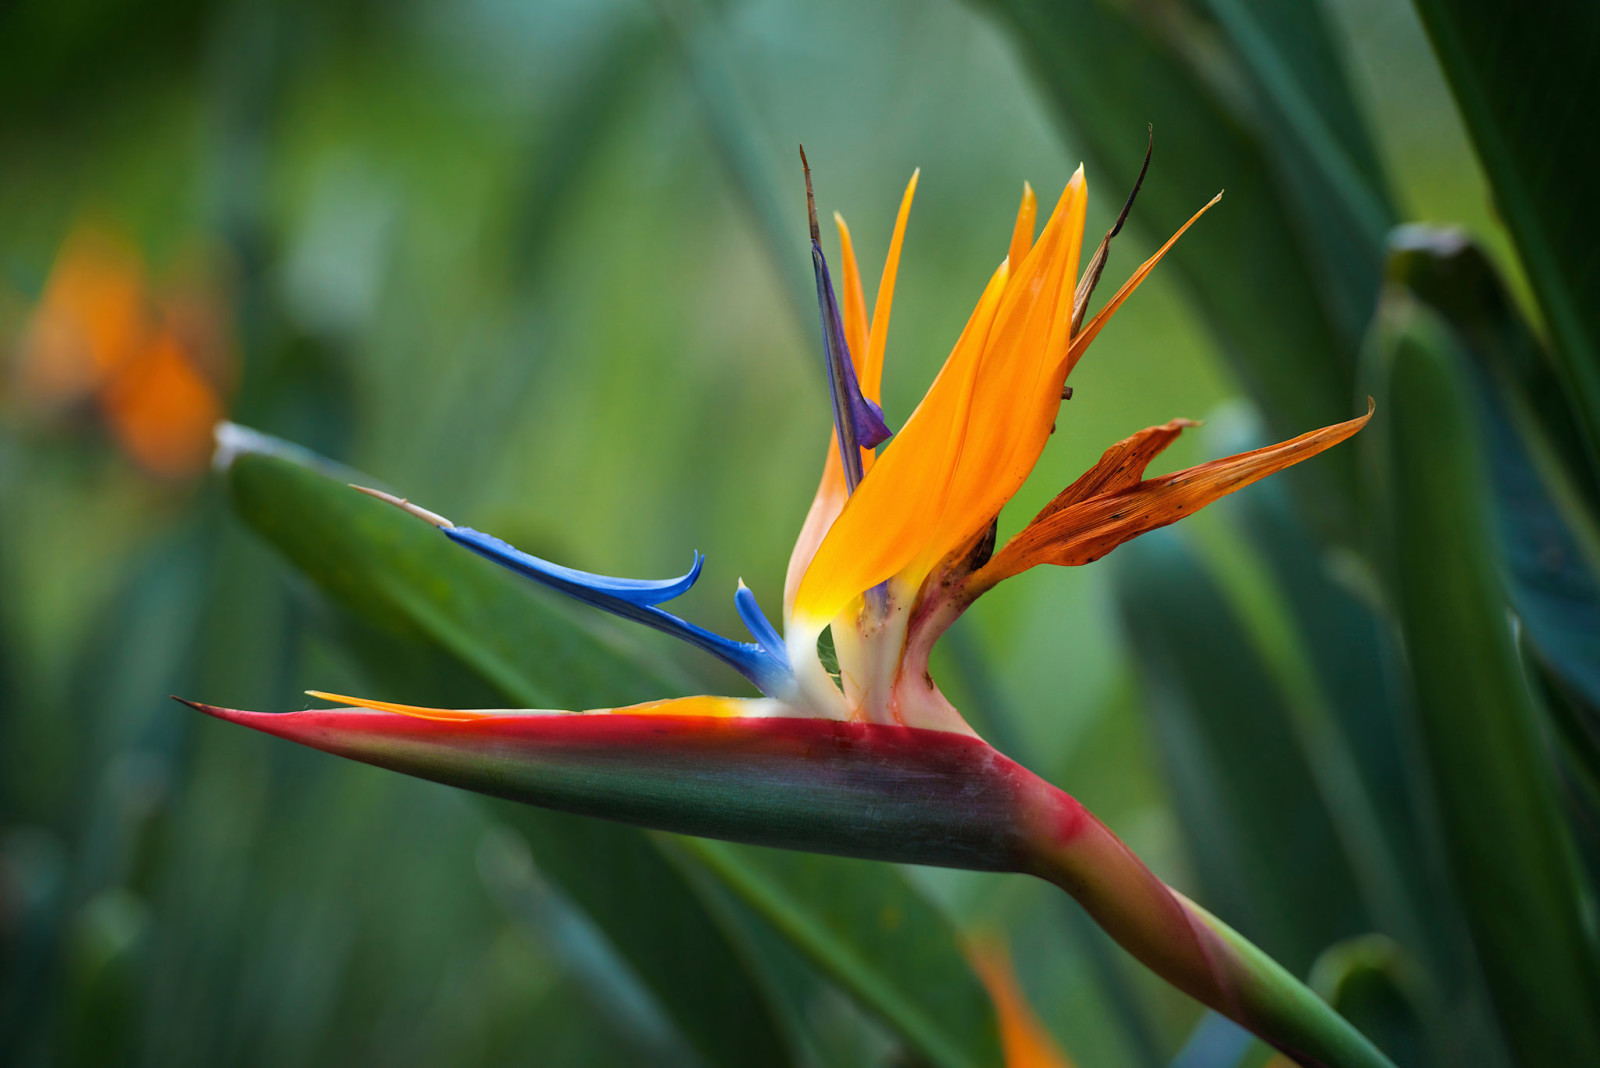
(738, 138)
(574, 135)
(851, 923)
(1544, 497)
(1527, 84)
(1318, 139)
(401, 575)
(1374, 985)
(659, 922)
(1576, 727)
(1283, 286)
(1492, 784)
(1267, 854)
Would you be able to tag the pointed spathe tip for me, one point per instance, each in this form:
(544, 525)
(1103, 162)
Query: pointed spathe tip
(232, 715)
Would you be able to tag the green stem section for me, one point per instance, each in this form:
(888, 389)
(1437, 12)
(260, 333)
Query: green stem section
(1185, 944)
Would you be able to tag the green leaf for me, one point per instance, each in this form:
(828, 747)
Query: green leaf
(1490, 778)
(1544, 495)
(538, 653)
(849, 923)
(1526, 82)
(1268, 856)
(1316, 135)
(1374, 985)
(1341, 654)
(659, 921)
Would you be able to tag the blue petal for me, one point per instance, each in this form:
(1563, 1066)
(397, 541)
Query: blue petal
(636, 599)
(871, 430)
(595, 589)
(756, 622)
(859, 421)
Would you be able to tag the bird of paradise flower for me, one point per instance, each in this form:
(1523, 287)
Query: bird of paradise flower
(897, 544)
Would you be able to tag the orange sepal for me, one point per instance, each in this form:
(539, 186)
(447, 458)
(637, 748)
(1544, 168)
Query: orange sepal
(871, 369)
(1120, 467)
(1022, 230)
(1023, 1039)
(852, 305)
(972, 440)
(866, 344)
(1085, 530)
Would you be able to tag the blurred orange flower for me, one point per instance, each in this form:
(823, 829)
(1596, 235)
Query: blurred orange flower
(156, 367)
(1022, 1037)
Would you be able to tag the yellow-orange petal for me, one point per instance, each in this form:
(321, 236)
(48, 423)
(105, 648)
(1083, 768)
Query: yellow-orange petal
(853, 307)
(1086, 530)
(449, 715)
(904, 484)
(1023, 1039)
(717, 707)
(1018, 393)
(1093, 327)
(825, 508)
(872, 368)
(1022, 230)
(867, 344)
(972, 440)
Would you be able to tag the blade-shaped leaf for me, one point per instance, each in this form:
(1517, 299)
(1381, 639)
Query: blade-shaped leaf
(1316, 134)
(1372, 983)
(1263, 844)
(537, 653)
(1490, 776)
(1526, 81)
(862, 932)
(1544, 497)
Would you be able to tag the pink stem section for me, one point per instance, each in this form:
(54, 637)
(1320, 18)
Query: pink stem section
(1181, 942)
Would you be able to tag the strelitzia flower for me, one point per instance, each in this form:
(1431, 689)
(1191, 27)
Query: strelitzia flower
(897, 544)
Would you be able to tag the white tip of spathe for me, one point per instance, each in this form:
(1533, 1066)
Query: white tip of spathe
(405, 506)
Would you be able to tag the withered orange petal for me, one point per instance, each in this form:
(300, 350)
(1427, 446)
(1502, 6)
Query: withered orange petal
(1121, 466)
(1083, 532)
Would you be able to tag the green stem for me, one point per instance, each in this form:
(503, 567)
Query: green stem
(1185, 944)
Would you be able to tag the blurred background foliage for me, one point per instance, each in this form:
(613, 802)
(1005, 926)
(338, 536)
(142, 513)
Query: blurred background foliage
(541, 265)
